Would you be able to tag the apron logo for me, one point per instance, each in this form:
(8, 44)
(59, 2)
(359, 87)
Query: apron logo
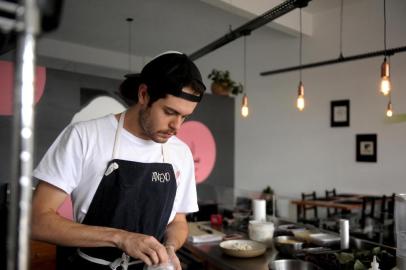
(161, 177)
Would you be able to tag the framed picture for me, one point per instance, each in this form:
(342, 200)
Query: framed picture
(340, 113)
(367, 147)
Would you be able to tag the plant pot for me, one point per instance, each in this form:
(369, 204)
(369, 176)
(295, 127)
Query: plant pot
(219, 89)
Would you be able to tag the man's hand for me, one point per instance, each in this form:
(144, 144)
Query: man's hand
(173, 258)
(143, 247)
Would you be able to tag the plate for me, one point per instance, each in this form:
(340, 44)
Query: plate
(242, 248)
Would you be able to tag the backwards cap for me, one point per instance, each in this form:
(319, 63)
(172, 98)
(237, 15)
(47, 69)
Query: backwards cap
(168, 73)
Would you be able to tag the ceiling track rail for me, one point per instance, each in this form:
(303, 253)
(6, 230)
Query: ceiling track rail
(247, 28)
(387, 52)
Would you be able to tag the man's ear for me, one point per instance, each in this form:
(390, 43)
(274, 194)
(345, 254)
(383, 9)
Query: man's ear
(143, 96)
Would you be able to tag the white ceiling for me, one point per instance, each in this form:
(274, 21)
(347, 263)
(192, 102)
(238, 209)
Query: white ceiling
(158, 25)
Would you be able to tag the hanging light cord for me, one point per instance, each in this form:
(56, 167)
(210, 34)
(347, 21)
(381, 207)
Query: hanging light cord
(341, 29)
(300, 44)
(129, 20)
(245, 64)
(384, 25)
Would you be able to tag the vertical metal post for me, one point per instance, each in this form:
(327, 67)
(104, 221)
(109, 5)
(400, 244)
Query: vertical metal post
(23, 135)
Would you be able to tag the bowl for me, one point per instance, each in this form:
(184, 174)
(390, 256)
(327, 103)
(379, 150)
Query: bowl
(287, 244)
(261, 231)
(242, 248)
(292, 265)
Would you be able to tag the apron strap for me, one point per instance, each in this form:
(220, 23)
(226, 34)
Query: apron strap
(124, 261)
(116, 147)
(120, 125)
(165, 153)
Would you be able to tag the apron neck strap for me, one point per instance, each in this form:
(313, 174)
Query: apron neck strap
(120, 125)
(116, 147)
(165, 153)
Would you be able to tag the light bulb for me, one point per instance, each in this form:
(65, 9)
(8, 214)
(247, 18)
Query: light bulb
(385, 78)
(389, 111)
(385, 85)
(244, 107)
(244, 111)
(300, 102)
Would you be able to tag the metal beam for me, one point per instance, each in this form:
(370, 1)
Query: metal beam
(340, 59)
(250, 26)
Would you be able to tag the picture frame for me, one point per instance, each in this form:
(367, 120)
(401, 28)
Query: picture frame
(340, 113)
(366, 147)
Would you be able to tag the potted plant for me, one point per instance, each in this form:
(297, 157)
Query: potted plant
(222, 83)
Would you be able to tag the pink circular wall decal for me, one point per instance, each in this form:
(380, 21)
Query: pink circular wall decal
(202, 145)
(7, 86)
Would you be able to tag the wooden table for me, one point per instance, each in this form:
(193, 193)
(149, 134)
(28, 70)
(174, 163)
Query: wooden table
(344, 203)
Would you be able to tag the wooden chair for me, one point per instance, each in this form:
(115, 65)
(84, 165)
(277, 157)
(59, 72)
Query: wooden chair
(368, 210)
(303, 209)
(387, 220)
(387, 209)
(331, 212)
(377, 219)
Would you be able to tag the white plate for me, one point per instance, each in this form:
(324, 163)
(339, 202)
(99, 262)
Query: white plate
(242, 248)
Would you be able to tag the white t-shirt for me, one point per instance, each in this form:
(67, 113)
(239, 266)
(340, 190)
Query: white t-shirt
(78, 158)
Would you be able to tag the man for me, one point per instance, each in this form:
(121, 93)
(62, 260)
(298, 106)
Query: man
(130, 179)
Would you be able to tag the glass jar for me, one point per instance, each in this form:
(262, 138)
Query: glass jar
(261, 231)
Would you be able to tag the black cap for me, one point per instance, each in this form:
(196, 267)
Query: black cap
(167, 73)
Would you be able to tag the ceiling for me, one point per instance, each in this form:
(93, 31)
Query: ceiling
(184, 25)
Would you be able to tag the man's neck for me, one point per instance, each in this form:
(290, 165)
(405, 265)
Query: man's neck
(131, 122)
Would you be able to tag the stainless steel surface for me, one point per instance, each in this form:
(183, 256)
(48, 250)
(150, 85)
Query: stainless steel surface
(291, 265)
(400, 223)
(344, 233)
(21, 184)
(401, 263)
(324, 239)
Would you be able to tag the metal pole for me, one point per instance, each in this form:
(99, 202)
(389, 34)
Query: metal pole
(21, 182)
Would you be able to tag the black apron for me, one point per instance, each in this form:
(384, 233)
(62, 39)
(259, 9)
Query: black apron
(132, 196)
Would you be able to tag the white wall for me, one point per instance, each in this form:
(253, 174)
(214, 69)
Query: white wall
(295, 152)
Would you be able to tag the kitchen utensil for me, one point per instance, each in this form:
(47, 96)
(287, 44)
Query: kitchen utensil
(287, 244)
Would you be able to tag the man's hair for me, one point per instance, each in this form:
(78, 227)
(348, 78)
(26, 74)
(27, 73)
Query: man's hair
(168, 73)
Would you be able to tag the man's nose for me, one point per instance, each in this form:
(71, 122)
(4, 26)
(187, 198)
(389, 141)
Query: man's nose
(176, 123)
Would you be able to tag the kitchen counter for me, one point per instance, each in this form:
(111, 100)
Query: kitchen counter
(211, 256)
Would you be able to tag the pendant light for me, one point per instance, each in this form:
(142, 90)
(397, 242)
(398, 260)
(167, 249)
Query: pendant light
(385, 85)
(389, 109)
(130, 21)
(300, 102)
(244, 105)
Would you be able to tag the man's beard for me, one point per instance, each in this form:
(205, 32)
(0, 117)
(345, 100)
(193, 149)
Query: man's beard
(147, 127)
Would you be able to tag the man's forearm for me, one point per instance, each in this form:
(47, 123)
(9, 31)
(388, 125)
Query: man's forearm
(52, 228)
(176, 233)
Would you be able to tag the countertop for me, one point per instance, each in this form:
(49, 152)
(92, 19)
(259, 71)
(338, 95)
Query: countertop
(212, 256)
